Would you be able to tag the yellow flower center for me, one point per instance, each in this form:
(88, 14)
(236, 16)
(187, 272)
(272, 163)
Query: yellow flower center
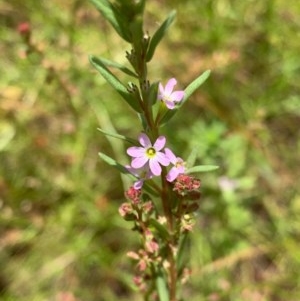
(151, 152)
(179, 164)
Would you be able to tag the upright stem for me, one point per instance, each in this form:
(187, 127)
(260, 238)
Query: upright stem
(171, 244)
(167, 208)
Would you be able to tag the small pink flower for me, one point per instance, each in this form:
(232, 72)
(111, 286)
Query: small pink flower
(149, 154)
(142, 174)
(168, 96)
(178, 167)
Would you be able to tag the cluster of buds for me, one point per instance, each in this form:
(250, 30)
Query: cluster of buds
(187, 186)
(140, 211)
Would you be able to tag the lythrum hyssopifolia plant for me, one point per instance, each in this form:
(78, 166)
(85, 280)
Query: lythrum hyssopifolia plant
(163, 198)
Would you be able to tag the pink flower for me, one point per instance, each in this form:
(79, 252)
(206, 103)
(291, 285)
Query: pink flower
(178, 167)
(149, 154)
(168, 96)
(142, 174)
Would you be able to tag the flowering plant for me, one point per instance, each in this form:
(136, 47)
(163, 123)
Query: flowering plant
(163, 198)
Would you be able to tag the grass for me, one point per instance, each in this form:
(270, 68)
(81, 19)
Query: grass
(60, 234)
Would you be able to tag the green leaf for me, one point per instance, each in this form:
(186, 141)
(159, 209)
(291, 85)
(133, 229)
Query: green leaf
(162, 288)
(118, 136)
(160, 228)
(190, 89)
(183, 254)
(114, 81)
(140, 6)
(202, 168)
(113, 64)
(111, 14)
(158, 35)
(113, 163)
(152, 96)
(194, 85)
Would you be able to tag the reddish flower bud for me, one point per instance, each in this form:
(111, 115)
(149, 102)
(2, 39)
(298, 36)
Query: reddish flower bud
(24, 28)
(185, 184)
(133, 195)
(25, 31)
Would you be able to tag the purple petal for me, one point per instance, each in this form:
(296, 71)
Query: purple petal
(172, 174)
(162, 158)
(170, 86)
(171, 156)
(132, 170)
(139, 162)
(181, 169)
(144, 140)
(136, 151)
(154, 167)
(138, 184)
(177, 96)
(149, 175)
(170, 104)
(159, 143)
(161, 91)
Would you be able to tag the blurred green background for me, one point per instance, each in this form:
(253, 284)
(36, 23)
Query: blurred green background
(61, 237)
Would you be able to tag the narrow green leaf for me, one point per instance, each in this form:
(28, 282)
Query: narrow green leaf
(114, 81)
(109, 12)
(140, 6)
(194, 85)
(183, 254)
(152, 96)
(113, 163)
(158, 35)
(118, 136)
(123, 170)
(163, 232)
(202, 168)
(190, 161)
(162, 288)
(190, 89)
(113, 64)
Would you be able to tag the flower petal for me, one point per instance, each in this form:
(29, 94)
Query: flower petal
(170, 86)
(162, 158)
(170, 104)
(139, 162)
(154, 167)
(138, 184)
(171, 156)
(159, 143)
(136, 151)
(161, 91)
(172, 174)
(177, 96)
(144, 140)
